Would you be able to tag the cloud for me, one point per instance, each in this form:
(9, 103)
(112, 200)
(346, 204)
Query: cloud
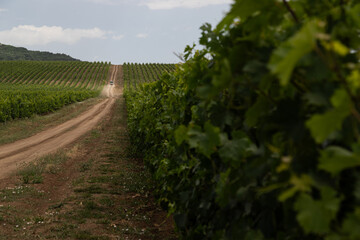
(109, 2)
(117, 37)
(171, 4)
(29, 35)
(142, 35)
(3, 10)
(162, 4)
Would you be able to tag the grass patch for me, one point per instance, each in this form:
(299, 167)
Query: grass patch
(106, 201)
(86, 166)
(92, 189)
(32, 172)
(11, 194)
(88, 236)
(62, 232)
(90, 210)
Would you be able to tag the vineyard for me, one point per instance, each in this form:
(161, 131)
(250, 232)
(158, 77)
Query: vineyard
(257, 135)
(136, 74)
(28, 87)
(24, 101)
(75, 74)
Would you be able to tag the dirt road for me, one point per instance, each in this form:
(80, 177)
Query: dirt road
(26, 150)
(108, 90)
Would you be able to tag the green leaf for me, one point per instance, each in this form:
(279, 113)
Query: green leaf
(351, 225)
(211, 141)
(299, 184)
(315, 99)
(334, 237)
(287, 194)
(337, 47)
(335, 159)
(234, 150)
(242, 9)
(181, 134)
(323, 125)
(205, 142)
(315, 216)
(222, 189)
(254, 235)
(354, 80)
(286, 56)
(357, 188)
(256, 111)
(341, 99)
(353, 12)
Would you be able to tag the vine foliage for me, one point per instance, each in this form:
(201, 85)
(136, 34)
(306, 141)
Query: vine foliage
(257, 135)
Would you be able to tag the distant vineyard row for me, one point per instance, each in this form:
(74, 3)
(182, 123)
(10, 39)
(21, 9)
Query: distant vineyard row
(85, 75)
(136, 74)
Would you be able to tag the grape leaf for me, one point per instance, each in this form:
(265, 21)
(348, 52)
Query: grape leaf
(300, 184)
(256, 111)
(335, 159)
(181, 134)
(233, 150)
(351, 225)
(323, 125)
(205, 142)
(315, 216)
(285, 57)
(243, 9)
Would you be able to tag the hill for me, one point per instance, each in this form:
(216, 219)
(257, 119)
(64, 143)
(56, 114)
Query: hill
(8, 52)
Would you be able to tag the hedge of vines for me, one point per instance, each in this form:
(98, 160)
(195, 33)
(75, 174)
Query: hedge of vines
(257, 136)
(86, 75)
(23, 101)
(136, 74)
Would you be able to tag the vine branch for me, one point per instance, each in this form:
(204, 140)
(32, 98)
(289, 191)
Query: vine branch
(293, 14)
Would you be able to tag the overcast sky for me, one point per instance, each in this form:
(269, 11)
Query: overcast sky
(108, 30)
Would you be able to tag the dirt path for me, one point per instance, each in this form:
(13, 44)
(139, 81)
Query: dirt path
(15, 154)
(108, 89)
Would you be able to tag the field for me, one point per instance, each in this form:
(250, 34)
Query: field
(75, 74)
(136, 74)
(28, 88)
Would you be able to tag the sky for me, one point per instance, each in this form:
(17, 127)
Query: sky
(118, 31)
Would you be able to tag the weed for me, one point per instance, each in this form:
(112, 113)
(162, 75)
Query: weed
(85, 167)
(107, 201)
(92, 189)
(32, 177)
(32, 172)
(88, 236)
